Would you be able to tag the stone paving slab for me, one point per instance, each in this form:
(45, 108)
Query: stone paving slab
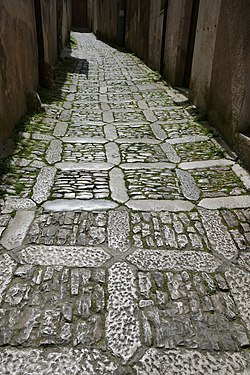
(125, 230)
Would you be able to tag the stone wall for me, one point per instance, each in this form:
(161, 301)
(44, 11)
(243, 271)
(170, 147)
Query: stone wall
(107, 20)
(19, 56)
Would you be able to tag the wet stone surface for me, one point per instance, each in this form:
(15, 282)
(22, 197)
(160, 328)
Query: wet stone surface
(53, 306)
(81, 185)
(68, 228)
(125, 230)
(152, 184)
(193, 311)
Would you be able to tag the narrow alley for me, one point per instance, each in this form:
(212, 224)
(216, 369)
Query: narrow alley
(125, 230)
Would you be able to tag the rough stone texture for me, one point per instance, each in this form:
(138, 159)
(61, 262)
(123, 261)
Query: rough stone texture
(45, 179)
(123, 335)
(69, 256)
(174, 260)
(56, 362)
(14, 204)
(117, 186)
(118, 230)
(7, 267)
(239, 285)
(185, 362)
(189, 188)
(218, 235)
(53, 153)
(17, 229)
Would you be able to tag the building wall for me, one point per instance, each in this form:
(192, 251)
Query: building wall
(18, 60)
(107, 13)
(156, 15)
(19, 68)
(176, 40)
(49, 20)
(229, 95)
(203, 59)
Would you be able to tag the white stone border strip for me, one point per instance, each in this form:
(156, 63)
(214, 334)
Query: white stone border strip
(60, 129)
(170, 152)
(113, 153)
(60, 205)
(188, 185)
(206, 164)
(118, 231)
(81, 166)
(117, 186)
(110, 132)
(188, 139)
(237, 201)
(192, 362)
(69, 256)
(126, 166)
(174, 260)
(243, 175)
(54, 151)
(92, 140)
(16, 204)
(17, 229)
(122, 326)
(43, 185)
(147, 141)
(158, 132)
(160, 205)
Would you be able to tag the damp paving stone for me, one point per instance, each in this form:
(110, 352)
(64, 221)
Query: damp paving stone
(69, 228)
(122, 326)
(83, 152)
(142, 153)
(86, 116)
(218, 235)
(135, 131)
(118, 231)
(218, 182)
(70, 256)
(167, 230)
(43, 185)
(238, 281)
(54, 306)
(174, 260)
(152, 184)
(57, 362)
(193, 362)
(81, 185)
(189, 310)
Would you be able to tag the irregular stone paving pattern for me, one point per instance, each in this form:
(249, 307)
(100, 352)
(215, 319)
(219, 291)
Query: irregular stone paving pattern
(125, 230)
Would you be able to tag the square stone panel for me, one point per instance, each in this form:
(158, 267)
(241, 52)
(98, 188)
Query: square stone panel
(181, 128)
(165, 115)
(168, 231)
(124, 104)
(19, 182)
(84, 116)
(189, 310)
(69, 228)
(218, 182)
(198, 151)
(81, 185)
(112, 97)
(135, 131)
(53, 306)
(133, 116)
(31, 149)
(142, 153)
(152, 184)
(85, 131)
(78, 152)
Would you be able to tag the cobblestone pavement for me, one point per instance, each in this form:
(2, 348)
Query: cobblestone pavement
(125, 231)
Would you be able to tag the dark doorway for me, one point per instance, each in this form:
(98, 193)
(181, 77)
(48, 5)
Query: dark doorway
(80, 15)
(191, 43)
